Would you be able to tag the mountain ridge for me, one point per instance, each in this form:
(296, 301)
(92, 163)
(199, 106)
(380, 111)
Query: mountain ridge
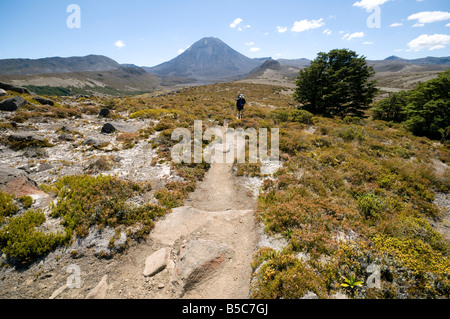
(57, 65)
(208, 59)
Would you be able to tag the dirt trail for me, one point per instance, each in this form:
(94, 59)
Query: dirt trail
(236, 227)
(220, 213)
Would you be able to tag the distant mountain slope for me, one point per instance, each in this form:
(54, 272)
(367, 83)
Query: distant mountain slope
(57, 65)
(207, 60)
(428, 60)
(296, 63)
(119, 81)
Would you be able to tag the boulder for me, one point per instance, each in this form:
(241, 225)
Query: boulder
(104, 112)
(95, 142)
(310, 295)
(198, 259)
(18, 89)
(43, 101)
(66, 137)
(3, 92)
(179, 223)
(103, 242)
(16, 182)
(100, 291)
(111, 127)
(67, 128)
(12, 104)
(25, 137)
(108, 128)
(157, 262)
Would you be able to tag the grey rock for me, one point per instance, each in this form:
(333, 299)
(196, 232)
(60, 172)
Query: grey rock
(35, 153)
(339, 295)
(200, 258)
(310, 295)
(44, 101)
(3, 92)
(12, 104)
(44, 167)
(95, 142)
(100, 242)
(58, 291)
(111, 127)
(100, 291)
(18, 89)
(25, 137)
(67, 128)
(15, 181)
(66, 137)
(156, 262)
(108, 128)
(104, 112)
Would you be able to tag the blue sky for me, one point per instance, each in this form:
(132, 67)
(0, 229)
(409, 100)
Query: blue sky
(149, 32)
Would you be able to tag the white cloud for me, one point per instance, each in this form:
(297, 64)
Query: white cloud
(282, 29)
(255, 49)
(418, 25)
(266, 34)
(236, 23)
(327, 31)
(368, 43)
(304, 25)
(249, 43)
(429, 17)
(430, 42)
(369, 4)
(447, 25)
(352, 36)
(119, 44)
(396, 24)
(181, 51)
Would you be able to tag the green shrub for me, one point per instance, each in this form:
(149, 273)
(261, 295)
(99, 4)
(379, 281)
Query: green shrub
(26, 201)
(284, 276)
(302, 116)
(85, 201)
(414, 253)
(351, 133)
(20, 240)
(7, 206)
(370, 205)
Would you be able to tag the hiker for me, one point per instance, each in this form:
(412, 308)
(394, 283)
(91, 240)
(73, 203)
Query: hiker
(240, 106)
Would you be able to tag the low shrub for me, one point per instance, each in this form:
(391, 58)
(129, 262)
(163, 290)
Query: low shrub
(85, 201)
(20, 239)
(281, 275)
(7, 206)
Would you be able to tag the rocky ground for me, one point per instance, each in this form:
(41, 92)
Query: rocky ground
(201, 250)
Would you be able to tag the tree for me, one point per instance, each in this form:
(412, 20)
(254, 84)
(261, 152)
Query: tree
(336, 83)
(425, 110)
(392, 108)
(428, 108)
